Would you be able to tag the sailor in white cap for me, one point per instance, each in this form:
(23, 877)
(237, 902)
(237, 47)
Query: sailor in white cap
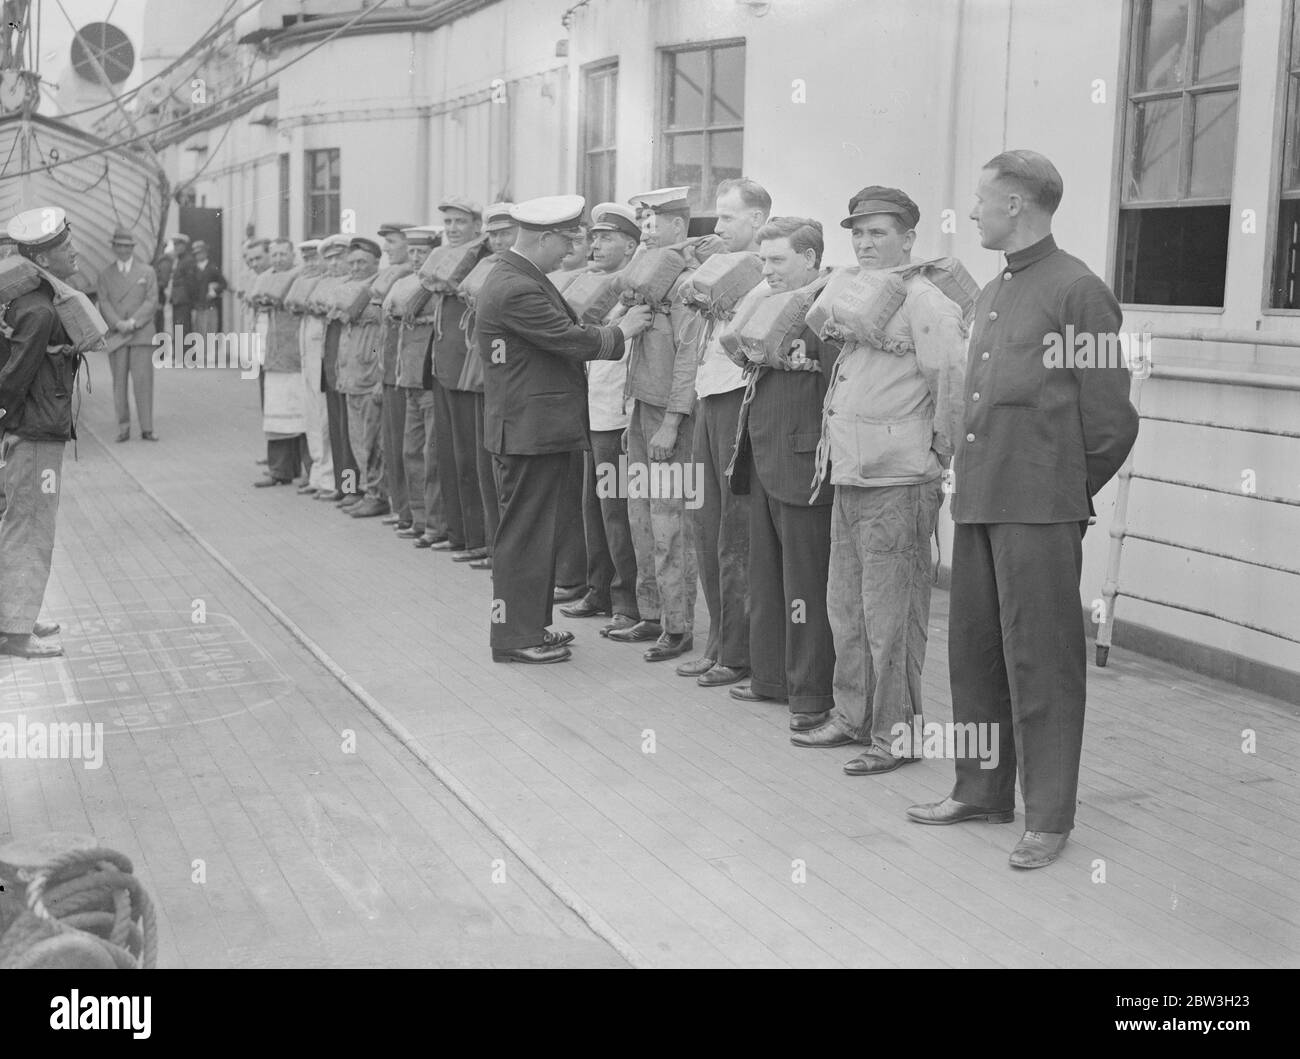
(532, 349)
(38, 375)
(611, 560)
(661, 379)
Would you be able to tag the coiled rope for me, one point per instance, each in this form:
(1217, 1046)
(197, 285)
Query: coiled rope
(83, 908)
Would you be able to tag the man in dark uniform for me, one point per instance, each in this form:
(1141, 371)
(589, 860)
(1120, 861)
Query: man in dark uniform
(1038, 443)
(535, 392)
(792, 661)
(38, 375)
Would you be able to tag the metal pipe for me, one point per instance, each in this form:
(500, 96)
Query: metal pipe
(1227, 335)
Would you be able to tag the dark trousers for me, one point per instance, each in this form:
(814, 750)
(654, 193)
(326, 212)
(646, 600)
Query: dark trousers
(571, 545)
(722, 531)
(1017, 657)
(284, 458)
(419, 458)
(453, 424)
(487, 485)
(347, 476)
(523, 564)
(392, 433)
(790, 646)
(611, 559)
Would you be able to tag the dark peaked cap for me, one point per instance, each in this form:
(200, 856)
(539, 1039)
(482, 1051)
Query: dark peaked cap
(877, 199)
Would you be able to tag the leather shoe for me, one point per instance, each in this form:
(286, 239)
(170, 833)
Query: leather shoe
(669, 645)
(621, 623)
(746, 693)
(369, 508)
(823, 735)
(445, 546)
(267, 482)
(403, 526)
(875, 760)
(806, 722)
(390, 520)
(557, 639)
(1037, 849)
(481, 564)
(696, 668)
(634, 633)
(584, 608)
(537, 656)
(467, 555)
(953, 812)
(329, 494)
(410, 533)
(148, 435)
(719, 676)
(564, 595)
(348, 499)
(45, 628)
(29, 646)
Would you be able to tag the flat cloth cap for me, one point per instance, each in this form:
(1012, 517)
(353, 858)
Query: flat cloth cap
(460, 202)
(615, 217)
(40, 229)
(550, 213)
(877, 199)
(360, 242)
(663, 199)
(394, 227)
(496, 218)
(309, 245)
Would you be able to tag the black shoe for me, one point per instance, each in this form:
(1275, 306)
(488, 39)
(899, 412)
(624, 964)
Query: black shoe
(822, 735)
(806, 722)
(538, 656)
(1037, 849)
(719, 676)
(621, 623)
(634, 633)
(669, 645)
(563, 595)
(583, 609)
(148, 435)
(876, 760)
(951, 812)
(329, 494)
(745, 693)
(558, 639)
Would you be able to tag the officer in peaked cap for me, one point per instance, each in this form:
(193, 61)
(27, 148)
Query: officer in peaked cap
(38, 375)
(533, 349)
(614, 217)
(663, 204)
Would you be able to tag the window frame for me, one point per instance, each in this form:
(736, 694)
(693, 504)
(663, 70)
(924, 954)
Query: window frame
(666, 57)
(1127, 102)
(1286, 62)
(585, 150)
(310, 194)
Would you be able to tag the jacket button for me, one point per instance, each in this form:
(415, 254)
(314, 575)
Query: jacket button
(1006, 275)
(984, 356)
(970, 437)
(993, 316)
(975, 396)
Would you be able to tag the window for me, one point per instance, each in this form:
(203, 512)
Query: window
(284, 195)
(599, 101)
(1180, 141)
(702, 121)
(1286, 259)
(322, 193)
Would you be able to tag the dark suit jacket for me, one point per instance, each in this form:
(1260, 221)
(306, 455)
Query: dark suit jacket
(451, 347)
(533, 348)
(779, 430)
(209, 273)
(1040, 439)
(185, 281)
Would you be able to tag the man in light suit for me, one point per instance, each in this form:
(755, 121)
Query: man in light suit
(128, 297)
